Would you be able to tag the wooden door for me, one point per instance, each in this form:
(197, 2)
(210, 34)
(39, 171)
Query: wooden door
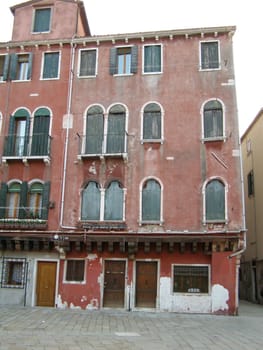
(46, 283)
(146, 284)
(114, 283)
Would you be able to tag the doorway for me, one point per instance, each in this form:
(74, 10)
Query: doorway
(114, 283)
(146, 284)
(46, 283)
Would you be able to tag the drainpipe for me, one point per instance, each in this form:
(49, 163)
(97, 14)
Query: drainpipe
(69, 103)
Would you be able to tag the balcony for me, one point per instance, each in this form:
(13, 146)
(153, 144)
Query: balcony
(102, 146)
(36, 147)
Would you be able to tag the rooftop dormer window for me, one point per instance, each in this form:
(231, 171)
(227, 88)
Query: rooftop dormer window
(42, 20)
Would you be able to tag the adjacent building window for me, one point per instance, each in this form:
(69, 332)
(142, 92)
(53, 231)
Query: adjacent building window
(124, 60)
(103, 204)
(152, 122)
(152, 59)
(215, 207)
(213, 120)
(88, 63)
(250, 183)
(16, 66)
(191, 279)
(42, 20)
(75, 270)
(50, 68)
(22, 200)
(210, 55)
(13, 273)
(151, 201)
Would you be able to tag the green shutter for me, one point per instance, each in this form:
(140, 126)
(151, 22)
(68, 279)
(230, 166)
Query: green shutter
(30, 61)
(40, 139)
(116, 130)
(23, 201)
(45, 200)
(3, 193)
(113, 209)
(42, 20)
(134, 59)
(13, 67)
(9, 141)
(90, 206)
(50, 69)
(151, 201)
(113, 61)
(215, 201)
(6, 67)
(94, 131)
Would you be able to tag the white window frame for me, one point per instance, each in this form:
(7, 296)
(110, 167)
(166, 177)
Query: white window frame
(50, 20)
(42, 65)
(96, 64)
(141, 221)
(200, 56)
(217, 138)
(65, 281)
(161, 70)
(161, 140)
(205, 221)
(191, 293)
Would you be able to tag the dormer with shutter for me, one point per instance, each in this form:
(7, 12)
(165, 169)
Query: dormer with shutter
(49, 19)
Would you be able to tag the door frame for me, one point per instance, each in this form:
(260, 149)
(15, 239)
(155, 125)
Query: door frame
(157, 306)
(125, 280)
(34, 294)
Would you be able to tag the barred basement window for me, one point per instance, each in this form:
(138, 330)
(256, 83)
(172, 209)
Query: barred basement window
(190, 279)
(75, 270)
(13, 273)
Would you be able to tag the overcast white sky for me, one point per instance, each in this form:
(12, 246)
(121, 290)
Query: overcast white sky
(122, 16)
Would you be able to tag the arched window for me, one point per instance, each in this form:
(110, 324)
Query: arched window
(116, 130)
(35, 199)
(16, 143)
(213, 119)
(94, 130)
(215, 201)
(152, 122)
(151, 201)
(13, 200)
(90, 209)
(113, 206)
(41, 140)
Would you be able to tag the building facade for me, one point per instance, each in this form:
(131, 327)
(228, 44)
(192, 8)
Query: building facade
(251, 269)
(120, 173)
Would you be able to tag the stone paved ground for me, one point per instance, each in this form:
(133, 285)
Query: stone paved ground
(54, 329)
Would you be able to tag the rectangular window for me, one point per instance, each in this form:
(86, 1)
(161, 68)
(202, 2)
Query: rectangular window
(13, 273)
(42, 20)
(75, 270)
(209, 55)
(124, 60)
(50, 65)
(2, 67)
(152, 59)
(250, 183)
(88, 63)
(191, 279)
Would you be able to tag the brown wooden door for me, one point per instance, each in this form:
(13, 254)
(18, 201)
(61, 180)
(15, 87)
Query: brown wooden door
(46, 283)
(146, 284)
(114, 283)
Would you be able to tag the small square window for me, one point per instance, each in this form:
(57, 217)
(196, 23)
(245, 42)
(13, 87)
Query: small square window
(42, 20)
(209, 55)
(191, 279)
(13, 275)
(88, 63)
(75, 270)
(51, 65)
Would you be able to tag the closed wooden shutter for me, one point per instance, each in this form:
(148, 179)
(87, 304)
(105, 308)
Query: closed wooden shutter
(151, 201)
(23, 201)
(114, 202)
(134, 59)
(94, 130)
(215, 201)
(113, 61)
(90, 209)
(45, 200)
(40, 139)
(3, 194)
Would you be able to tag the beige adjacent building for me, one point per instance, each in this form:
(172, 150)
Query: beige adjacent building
(251, 271)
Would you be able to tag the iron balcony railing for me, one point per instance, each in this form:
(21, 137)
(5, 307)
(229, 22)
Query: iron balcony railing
(37, 145)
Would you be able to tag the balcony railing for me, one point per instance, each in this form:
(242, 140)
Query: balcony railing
(36, 146)
(108, 145)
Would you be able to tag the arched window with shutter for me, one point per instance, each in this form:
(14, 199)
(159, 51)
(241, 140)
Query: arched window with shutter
(90, 205)
(215, 201)
(40, 138)
(113, 206)
(151, 201)
(213, 126)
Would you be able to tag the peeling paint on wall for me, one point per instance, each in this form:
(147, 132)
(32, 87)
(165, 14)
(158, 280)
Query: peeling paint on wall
(93, 305)
(72, 306)
(92, 256)
(92, 169)
(220, 296)
(60, 304)
(172, 302)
